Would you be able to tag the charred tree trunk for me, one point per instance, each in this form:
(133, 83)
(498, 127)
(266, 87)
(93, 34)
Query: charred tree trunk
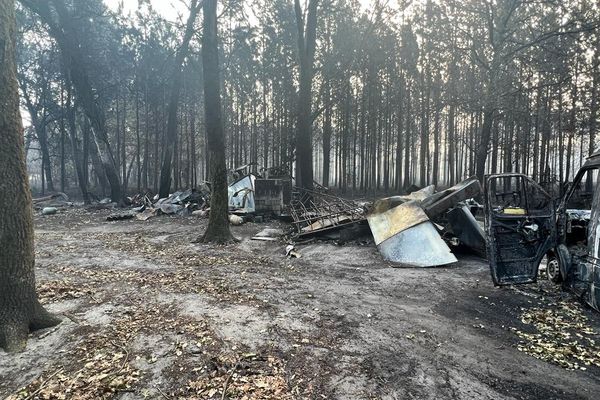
(489, 114)
(486, 135)
(407, 148)
(20, 310)
(165, 171)
(97, 161)
(218, 222)
(327, 135)
(193, 167)
(424, 145)
(63, 138)
(80, 165)
(43, 141)
(307, 35)
(595, 104)
(399, 144)
(123, 153)
(436, 131)
(451, 144)
(138, 140)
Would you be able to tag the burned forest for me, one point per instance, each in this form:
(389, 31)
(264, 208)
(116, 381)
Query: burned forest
(299, 199)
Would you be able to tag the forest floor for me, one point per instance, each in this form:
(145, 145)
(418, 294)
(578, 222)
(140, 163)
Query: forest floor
(149, 314)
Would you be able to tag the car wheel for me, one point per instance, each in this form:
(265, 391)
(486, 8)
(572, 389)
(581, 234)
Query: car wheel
(553, 270)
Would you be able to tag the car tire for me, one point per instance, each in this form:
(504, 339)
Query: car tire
(553, 269)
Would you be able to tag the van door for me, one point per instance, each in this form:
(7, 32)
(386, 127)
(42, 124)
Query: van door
(520, 227)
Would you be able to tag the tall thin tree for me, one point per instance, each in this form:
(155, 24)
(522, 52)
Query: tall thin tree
(166, 170)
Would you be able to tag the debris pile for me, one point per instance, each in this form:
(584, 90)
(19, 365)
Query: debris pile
(182, 203)
(415, 229)
(268, 235)
(50, 204)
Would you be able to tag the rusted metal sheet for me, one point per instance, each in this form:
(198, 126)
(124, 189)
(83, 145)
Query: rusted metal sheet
(417, 246)
(419, 195)
(385, 223)
(466, 228)
(404, 235)
(442, 201)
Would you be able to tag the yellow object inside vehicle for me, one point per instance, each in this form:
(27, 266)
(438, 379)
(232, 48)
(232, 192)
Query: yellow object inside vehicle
(514, 211)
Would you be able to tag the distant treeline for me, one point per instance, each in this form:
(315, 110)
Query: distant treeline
(404, 92)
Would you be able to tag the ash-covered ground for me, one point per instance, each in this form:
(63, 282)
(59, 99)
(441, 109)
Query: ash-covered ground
(149, 314)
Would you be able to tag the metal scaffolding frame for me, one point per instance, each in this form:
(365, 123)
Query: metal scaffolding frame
(314, 211)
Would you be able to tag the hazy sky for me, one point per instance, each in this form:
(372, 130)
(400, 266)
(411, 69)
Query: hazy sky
(169, 8)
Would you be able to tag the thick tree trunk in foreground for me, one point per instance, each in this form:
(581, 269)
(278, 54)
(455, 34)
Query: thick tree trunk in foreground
(218, 222)
(20, 311)
(166, 170)
(306, 54)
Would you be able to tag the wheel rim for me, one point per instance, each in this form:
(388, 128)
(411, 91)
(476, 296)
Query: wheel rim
(553, 269)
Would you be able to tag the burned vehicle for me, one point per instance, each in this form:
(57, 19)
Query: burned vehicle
(524, 225)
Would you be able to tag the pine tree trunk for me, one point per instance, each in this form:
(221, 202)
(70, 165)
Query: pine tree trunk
(451, 144)
(80, 165)
(595, 104)
(327, 135)
(218, 222)
(306, 51)
(20, 310)
(436, 133)
(486, 135)
(165, 172)
(43, 141)
(407, 135)
(97, 162)
(63, 137)
(138, 146)
(399, 138)
(123, 153)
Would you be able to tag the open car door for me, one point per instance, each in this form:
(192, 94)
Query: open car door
(520, 226)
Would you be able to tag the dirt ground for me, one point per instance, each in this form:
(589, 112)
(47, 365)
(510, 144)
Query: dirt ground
(149, 314)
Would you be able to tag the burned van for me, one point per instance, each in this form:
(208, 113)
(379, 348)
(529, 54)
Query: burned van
(525, 225)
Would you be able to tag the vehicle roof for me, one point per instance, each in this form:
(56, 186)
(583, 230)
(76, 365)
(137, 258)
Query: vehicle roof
(593, 160)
